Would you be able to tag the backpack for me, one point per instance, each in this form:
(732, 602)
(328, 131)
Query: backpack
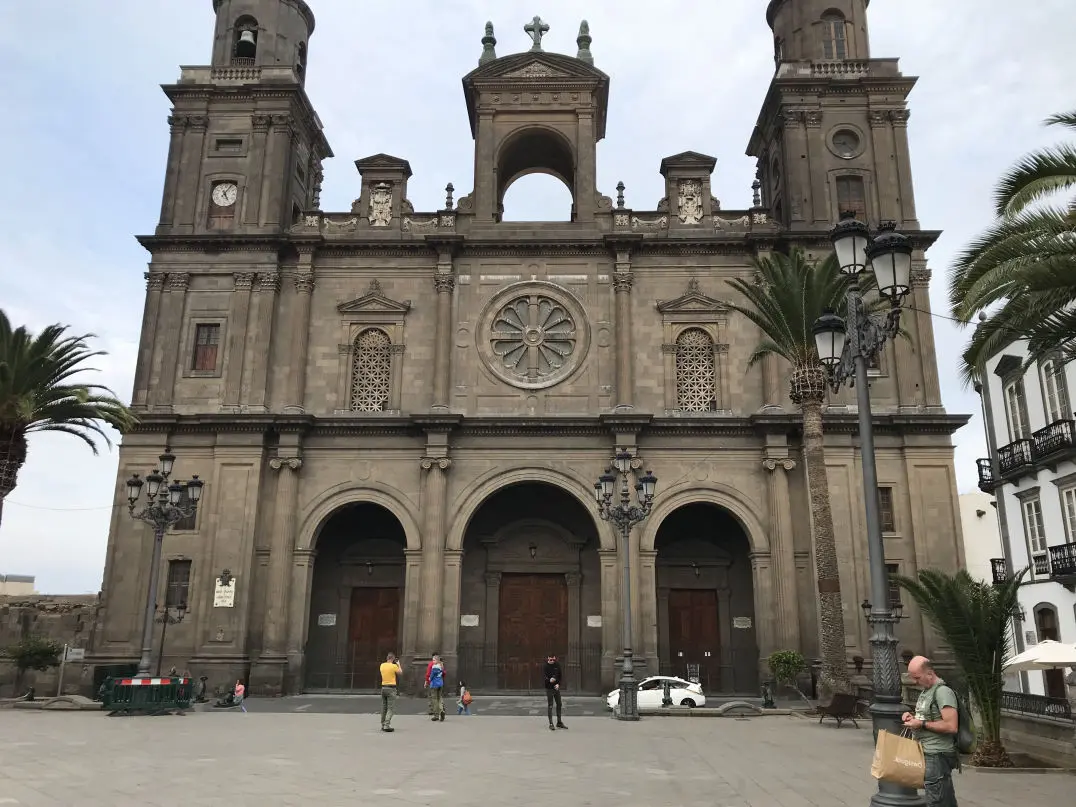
(966, 738)
(437, 677)
(467, 697)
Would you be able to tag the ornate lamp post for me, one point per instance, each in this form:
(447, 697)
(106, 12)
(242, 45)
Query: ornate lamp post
(170, 615)
(164, 507)
(625, 515)
(844, 347)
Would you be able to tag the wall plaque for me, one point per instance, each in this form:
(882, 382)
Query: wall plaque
(594, 621)
(468, 620)
(224, 595)
(741, 622)
(326, 620)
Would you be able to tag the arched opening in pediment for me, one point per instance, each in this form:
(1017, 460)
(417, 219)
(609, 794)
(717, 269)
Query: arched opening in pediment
(539, 165)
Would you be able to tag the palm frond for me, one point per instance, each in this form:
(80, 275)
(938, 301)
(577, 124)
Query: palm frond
(1037, 176)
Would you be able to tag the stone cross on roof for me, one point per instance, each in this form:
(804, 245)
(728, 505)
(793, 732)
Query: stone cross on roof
(536, 29)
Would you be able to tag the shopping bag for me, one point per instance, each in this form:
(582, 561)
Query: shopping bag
(899, 760)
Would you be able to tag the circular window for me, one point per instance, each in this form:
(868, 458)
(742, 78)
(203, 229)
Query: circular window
(534, 335)
(846, 144)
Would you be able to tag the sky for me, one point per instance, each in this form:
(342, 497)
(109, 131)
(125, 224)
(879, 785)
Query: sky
(86, 136)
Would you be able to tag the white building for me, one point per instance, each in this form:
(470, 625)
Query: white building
(1031, 470)
(16, 585)
(982, 536)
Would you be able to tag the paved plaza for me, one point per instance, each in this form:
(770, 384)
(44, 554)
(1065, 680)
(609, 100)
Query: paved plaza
(87, 759)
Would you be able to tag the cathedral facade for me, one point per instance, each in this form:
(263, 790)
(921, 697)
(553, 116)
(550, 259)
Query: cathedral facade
(400, 416)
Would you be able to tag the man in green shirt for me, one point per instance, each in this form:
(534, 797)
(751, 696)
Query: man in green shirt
(935, 724)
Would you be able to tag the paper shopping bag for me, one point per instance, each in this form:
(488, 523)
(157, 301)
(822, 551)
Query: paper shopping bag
(898, 760)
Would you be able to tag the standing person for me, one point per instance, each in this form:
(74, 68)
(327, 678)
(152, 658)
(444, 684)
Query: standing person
(240, 693)
(552, 675)
(435, 682)
(463, 702)
(936, 722)
(390, 673)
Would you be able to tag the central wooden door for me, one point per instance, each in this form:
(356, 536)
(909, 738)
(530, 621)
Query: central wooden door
(694, 635)
(372, 631)
(533, 623)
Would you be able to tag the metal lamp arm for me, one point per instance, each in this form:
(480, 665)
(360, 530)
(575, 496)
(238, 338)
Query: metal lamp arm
(867, 335)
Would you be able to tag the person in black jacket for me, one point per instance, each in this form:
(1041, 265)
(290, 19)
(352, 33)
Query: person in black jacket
(552, 675)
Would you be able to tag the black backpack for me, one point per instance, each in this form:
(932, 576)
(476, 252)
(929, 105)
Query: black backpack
(966, 738)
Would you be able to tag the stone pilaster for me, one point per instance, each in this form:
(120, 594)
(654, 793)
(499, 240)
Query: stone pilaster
(259, 335)
(611, 617)
(302, 577)
(143, 370)
(771, 382)
(300, 331)
(239, 313)
(275, 176)
(450, 610)
(186, 211)
(924, 333)
(492, 629)
(625, 361)
(177, 125)
(763, 579)
(252, 197)
(433, 552)
(170, 339)
(444, 282)
(412, 593)
(786, 631)
(648, 596)
(908, 218)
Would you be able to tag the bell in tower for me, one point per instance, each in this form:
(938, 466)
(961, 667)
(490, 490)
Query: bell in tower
(262, 33)
(536, 112)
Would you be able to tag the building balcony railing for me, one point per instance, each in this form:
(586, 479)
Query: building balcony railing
(1062, 561)
(998, 570)
(1040, 565)
(1056, 439)
(1040, 705)
(1015, 457)
(1045, 447)
(986, 475)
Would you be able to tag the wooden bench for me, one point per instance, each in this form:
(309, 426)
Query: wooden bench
(842, 707)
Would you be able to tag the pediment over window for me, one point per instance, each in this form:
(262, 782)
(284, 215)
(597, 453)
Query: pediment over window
(693, 302)
(384, 161)
(1007, 365)
(374, 301)
(688, 160)
(535, 65)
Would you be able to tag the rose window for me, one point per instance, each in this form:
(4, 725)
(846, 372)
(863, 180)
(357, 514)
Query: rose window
(534, 337)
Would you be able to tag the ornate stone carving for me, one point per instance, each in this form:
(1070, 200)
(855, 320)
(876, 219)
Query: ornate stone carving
(493, 579)
(814, 119)
(448, 220)
(536, 29)
(620, 220)
(622, 281)
(732, 224)
(426, 463)
(760, 218)
(282, 123)
(260, 122)
(771, 464)
(444, 282)
(410, 224)
(268, 282)
(198, 122)
(921, 278)
(178, 281)
(696, 371)
(292, 463)
(177, 123)
(573, 579)
(900, 117)
(878, 118)
(371, 371)
(155, 281)
(304, 282)
(656, 224)
(669, 349)
(380, 205)
(243, 280)
(689, 201)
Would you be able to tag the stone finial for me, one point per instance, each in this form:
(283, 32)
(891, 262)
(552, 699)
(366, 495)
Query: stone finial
(620, 195)
(536, 29)
(756, 198)
(448, 196)
(583, 41)
(488, 44)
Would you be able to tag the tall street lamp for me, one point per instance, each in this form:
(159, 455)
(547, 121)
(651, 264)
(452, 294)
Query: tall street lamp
(624, 515)
(844, 347)
(164, 508)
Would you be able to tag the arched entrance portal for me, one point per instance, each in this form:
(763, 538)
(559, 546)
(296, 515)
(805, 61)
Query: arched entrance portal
(356, 599)
(530, 578)
(706, 612)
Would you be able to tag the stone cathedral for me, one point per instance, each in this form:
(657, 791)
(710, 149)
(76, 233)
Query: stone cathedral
(400, 415)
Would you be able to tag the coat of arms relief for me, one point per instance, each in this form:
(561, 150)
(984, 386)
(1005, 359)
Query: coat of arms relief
(381, 205)
(689, 201)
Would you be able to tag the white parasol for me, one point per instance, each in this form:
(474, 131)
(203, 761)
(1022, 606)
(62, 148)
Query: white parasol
(1046, 655)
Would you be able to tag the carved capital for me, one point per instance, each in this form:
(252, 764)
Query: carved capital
(878, 118)
(282, 123)
(198, 122)
(493, 579)
(292, 463)
(669, 348)
(155, 281)
(721, 348)
(900, 117)
(260, 122)
(622, 281)
(771, 464)
(814, 119)
(177, 123)
(426, 463)
(268, 282)
(397, 349)
(243, 280)
(178, 281)
(573, 579)
(304, 282)
(921, 278)
(444, 282)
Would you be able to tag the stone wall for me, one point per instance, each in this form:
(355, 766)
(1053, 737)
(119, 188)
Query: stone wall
(1052, 741)
(65, 619)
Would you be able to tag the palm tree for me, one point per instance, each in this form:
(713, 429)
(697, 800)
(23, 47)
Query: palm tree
(37, 394)
(974, 619)
(784, 299)
(1026, 261)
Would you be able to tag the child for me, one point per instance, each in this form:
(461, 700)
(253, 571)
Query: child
(240, 691)
(463, 702)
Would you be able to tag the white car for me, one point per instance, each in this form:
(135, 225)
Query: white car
(652, 690)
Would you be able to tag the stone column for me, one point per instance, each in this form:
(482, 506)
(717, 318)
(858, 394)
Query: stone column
(485, 175)
(237, 336)
(259, 340)
(762, 577)
(433, 553)
(575, 618)
(886, 178)
(786, 631)
(412, 592)
(444, 282)
(771, 382)
(253, 195)
(625, 382)
(275, 175)
(450, 611)
(186, 210)
(169, 336)
(815, 168)
(924, 331)
(648, 595)
(610, 587)
(302, 576)
(493, 624)
(280, 559)
(300, 330)
(908, 217)
(177, 125)
(585, 191)
(144, 369)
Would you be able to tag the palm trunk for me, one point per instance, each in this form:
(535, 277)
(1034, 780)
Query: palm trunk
(990, 751)
(12, 458)
(831, 609)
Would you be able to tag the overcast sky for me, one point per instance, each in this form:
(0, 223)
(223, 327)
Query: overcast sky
(85, 139)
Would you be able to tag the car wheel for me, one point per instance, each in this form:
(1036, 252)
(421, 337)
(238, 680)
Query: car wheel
(688, 703)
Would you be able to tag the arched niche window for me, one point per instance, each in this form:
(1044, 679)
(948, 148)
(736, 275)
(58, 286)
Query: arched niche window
(834, 38)
(851, 196)
(371, 371)
(245, 42)
(300, 61)
(540, 151)
(696, 371)
(1046, 626)
(1055, 394)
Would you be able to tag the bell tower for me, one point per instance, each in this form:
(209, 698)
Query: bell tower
(833, 131)
(247, 147)
(536, 112)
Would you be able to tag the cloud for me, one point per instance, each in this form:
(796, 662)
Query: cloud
(86, 140)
